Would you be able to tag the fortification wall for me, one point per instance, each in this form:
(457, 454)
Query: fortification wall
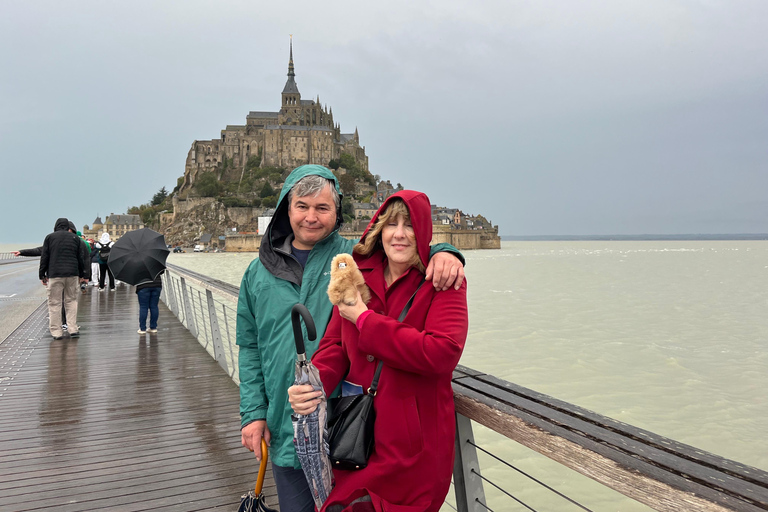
(243, 215)
(185, 205)
(242, 243)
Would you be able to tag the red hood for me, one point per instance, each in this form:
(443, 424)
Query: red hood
(421, 219)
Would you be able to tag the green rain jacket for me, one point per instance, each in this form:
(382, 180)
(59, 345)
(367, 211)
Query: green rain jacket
(270, 287)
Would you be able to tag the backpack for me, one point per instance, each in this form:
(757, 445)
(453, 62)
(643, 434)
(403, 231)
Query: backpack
(104, 253)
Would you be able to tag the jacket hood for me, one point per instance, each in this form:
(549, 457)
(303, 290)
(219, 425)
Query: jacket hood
(421, 219)
(104, 239)
(62, 224)
(279, 229)
(280, 225)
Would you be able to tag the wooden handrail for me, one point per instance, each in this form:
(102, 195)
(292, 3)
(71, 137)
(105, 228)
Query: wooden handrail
(660, 472)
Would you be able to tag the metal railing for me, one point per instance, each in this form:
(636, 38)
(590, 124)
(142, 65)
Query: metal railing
(11, 256)
(659, 472)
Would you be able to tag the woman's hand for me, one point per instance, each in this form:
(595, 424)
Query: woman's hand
(352, 312)
(304, 398)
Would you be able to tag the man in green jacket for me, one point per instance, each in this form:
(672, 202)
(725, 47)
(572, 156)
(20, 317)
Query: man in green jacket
(294, 267)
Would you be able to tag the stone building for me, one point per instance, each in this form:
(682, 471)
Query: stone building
(115, 225)
(301, 132)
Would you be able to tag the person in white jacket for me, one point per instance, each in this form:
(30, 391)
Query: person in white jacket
(104, 246)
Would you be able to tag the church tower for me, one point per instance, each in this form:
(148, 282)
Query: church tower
(290, 111)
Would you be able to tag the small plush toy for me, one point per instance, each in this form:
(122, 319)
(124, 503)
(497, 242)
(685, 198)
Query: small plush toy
(346, 279)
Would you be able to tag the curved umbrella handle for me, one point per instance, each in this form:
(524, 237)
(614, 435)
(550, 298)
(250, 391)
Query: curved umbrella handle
(301, 310)
(262, 466)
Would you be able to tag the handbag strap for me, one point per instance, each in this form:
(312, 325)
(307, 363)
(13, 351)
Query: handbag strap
(375, 382)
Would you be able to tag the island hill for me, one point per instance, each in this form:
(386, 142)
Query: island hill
(231, 184)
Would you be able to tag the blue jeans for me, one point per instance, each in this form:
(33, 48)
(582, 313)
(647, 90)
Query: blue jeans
(293, 492)
(148, 299)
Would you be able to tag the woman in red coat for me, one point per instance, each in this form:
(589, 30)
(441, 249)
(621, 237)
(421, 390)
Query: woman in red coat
(410, 468)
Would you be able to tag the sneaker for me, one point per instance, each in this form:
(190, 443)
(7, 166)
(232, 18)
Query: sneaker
(141, 332)
(101, 289)
(64, 326)
(152, 330)
(74, 334)
(111, 289)
(58, 337)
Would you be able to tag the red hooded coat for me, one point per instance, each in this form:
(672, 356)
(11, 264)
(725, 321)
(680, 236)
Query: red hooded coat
(410, 468)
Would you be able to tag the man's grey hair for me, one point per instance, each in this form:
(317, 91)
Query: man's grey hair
(312, 185)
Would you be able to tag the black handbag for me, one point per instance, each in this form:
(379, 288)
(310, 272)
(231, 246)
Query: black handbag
(351, 420)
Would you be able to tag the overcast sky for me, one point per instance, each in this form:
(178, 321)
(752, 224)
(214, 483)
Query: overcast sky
(548, 117)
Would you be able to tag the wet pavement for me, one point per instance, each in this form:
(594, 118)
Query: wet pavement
(115, 420)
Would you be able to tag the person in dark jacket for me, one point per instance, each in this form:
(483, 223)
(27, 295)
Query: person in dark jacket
(95, 267)
(149, 297)
(62, 266)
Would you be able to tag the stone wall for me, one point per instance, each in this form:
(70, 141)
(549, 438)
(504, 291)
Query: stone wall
(242, 243)
(461, 239)
(181, 206)
(243, 215)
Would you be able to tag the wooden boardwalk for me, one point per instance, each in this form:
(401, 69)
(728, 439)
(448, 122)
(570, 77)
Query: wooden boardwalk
(118, 421)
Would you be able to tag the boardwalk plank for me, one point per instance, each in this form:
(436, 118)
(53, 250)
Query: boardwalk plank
(118, 421)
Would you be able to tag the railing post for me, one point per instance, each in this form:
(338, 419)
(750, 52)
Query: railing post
(218, 348)
(467, 484)
(188, 312)
(170, 295)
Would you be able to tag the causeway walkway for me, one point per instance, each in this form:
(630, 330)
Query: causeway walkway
(118, 421)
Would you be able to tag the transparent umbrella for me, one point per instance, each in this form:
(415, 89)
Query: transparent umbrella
(309, 430)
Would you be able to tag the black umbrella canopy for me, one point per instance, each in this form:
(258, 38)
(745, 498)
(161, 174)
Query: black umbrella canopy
(139, 256)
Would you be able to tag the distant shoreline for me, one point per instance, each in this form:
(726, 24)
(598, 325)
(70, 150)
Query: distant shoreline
(690, 237)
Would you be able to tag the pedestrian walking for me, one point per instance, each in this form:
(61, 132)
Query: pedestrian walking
(104, 246)
(62, 266)
(148, 293)
(94, 264)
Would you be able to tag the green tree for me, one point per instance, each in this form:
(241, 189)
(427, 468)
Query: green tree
(333, 164)
(269, 202)
(253, 162)
(347, 184)
(267, 191)
(347, 210)
(207, 185)
(159, 197)
(347, 161)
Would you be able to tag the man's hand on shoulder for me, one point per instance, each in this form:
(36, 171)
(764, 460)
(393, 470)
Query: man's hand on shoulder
(251, 434)
(445, 270)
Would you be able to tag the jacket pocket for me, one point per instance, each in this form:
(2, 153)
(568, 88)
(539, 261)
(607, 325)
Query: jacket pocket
(412, 424)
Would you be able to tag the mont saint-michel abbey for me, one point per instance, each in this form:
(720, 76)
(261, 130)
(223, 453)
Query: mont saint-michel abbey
(301, 132)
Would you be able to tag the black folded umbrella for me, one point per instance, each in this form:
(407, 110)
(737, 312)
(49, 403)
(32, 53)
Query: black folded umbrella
(139, 256)
(254, 500)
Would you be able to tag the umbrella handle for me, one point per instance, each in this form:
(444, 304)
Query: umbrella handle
(262, 466)
(301, 310)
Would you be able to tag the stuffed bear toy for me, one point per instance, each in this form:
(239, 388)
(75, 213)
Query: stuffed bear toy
(346, 279)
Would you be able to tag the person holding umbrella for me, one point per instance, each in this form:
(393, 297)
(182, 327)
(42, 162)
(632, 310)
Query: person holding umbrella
(138, 258)
(293, 267)
(412, 458)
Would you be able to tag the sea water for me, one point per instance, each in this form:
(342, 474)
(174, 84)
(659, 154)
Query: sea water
(668, 336)
(671, 337)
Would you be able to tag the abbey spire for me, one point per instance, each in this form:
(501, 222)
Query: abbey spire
(291, 95)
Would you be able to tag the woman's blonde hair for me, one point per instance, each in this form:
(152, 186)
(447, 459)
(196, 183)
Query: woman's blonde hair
(372, 241)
